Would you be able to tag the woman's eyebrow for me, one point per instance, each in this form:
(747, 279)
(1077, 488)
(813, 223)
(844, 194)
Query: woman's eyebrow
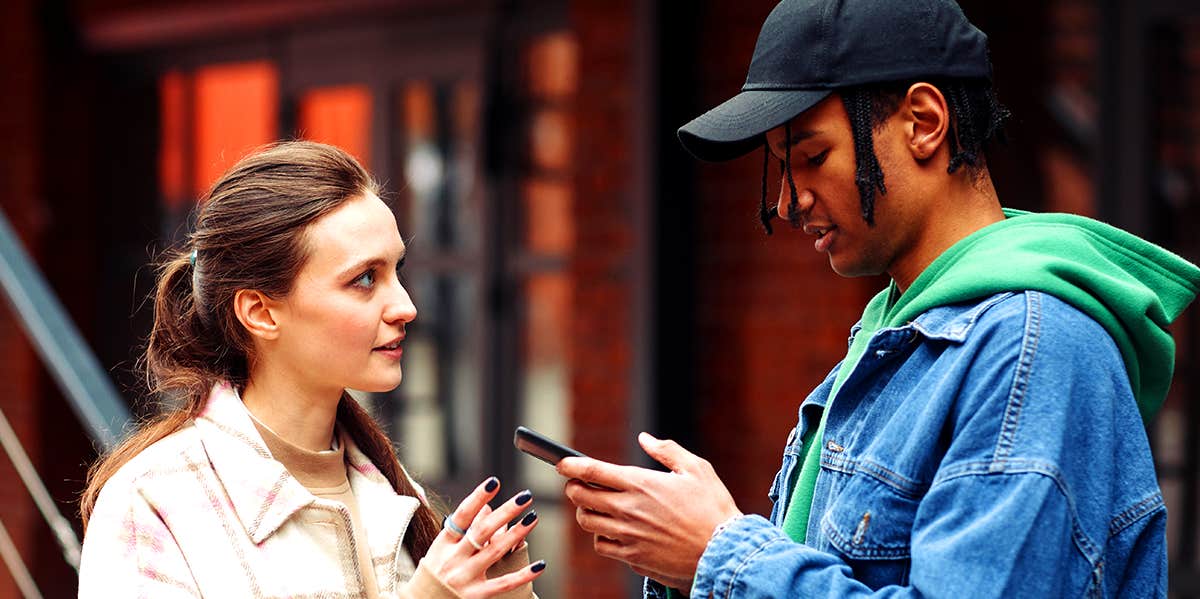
(361, 266)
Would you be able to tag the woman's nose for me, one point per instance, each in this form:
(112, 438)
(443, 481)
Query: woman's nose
(400, 307)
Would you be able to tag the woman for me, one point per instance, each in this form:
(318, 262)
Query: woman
(266, 479)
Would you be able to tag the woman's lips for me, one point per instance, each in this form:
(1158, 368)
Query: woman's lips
(391, 353)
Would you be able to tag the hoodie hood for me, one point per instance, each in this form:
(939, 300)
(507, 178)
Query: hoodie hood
(1131, 287)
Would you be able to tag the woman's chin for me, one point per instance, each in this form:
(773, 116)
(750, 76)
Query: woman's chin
(382, 385)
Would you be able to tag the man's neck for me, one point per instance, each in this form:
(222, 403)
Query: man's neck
(965, 206)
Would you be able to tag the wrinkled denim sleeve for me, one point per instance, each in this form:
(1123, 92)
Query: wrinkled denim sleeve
(1009, 545)
(1025, 502)
(1045, 488)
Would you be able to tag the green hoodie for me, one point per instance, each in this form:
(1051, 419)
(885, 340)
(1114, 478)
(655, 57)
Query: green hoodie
(1131, 287)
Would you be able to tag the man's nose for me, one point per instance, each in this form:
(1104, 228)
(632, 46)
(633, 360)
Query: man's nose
(804, 200)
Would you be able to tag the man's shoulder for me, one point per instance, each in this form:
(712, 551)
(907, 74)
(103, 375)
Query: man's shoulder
(1014, 317)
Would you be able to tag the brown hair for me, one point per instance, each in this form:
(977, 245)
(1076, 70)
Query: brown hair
(249, 235)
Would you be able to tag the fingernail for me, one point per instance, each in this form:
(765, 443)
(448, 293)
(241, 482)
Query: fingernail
(525, 497)
(491, 484)
(539, 566)
(529, 518)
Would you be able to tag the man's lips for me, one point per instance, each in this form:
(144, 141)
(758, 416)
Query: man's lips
(824, 235)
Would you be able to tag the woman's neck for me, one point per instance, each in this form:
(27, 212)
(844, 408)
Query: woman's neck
(300, 416)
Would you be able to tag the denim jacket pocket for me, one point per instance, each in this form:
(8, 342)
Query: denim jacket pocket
(869, 525)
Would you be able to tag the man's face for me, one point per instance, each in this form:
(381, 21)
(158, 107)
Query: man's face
(823, 168)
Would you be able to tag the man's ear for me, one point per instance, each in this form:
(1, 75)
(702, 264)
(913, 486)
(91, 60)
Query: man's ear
(928, 120)
(256, 311)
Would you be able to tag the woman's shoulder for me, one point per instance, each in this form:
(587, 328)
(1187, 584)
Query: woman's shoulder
(157, 464)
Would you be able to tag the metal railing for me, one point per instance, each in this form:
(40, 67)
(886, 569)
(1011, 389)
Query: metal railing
(89, 391)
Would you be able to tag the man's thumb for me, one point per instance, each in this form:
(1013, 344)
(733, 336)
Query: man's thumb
(666, 452)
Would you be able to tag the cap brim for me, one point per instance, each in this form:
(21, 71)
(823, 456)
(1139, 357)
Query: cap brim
(736, 127)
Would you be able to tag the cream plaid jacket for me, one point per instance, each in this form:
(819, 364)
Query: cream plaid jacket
(206, 512)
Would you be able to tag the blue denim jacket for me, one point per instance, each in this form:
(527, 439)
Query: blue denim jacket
(987, 449)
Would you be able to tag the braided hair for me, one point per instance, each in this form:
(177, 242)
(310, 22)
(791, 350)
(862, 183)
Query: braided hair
(977, 118)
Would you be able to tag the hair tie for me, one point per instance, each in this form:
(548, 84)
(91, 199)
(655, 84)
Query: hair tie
(192, 258)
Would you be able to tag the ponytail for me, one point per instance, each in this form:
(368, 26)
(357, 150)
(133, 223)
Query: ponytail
(178, 364)
(371, 440)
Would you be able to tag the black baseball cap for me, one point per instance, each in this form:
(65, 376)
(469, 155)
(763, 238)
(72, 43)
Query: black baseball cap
(809, 48)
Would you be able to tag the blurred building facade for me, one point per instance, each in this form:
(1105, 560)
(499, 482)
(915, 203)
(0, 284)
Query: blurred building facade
(575, 271)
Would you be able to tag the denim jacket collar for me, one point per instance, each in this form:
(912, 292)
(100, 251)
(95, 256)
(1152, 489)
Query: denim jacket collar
(953, 323)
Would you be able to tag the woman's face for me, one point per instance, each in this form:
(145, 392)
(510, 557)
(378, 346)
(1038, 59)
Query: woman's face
(342, 323)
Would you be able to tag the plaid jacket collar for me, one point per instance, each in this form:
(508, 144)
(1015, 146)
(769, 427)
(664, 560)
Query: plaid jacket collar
(264, 495)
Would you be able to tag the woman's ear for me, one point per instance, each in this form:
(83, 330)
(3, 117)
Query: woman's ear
(928, 120)
(256, 311)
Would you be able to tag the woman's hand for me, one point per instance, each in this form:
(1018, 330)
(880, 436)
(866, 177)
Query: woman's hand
(461, 560)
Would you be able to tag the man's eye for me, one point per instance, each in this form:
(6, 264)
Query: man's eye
(365, 280)
(819, 158)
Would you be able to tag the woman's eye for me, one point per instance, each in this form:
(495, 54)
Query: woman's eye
(819, 158)
(365, 280)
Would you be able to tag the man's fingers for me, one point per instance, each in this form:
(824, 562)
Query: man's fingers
(666, 452)
(603, 525)
(587, 496)
(604, 474)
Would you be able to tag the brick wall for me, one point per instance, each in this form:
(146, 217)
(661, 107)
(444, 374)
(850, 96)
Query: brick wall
(20, 196)
(600, 353)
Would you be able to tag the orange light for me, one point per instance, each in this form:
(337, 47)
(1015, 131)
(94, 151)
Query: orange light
(339, 116)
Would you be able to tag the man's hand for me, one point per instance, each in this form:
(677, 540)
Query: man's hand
(657, 522)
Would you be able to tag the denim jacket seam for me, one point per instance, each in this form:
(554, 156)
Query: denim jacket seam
(959, 332)
(1016, 396)
(1037, 467)
(848, 546)
(1134, 513)
(896, 481)
(746, 563)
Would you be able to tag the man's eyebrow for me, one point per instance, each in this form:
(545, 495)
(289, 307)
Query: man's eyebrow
(797, 137)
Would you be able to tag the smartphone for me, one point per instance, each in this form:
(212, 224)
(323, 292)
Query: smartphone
(542, 447)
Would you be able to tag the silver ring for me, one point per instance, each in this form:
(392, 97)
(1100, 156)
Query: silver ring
(474, 543)
(450, 526)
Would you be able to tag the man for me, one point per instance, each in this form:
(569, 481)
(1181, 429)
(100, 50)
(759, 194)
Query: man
(984, 434)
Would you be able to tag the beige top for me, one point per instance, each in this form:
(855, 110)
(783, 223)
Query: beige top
(323, 473)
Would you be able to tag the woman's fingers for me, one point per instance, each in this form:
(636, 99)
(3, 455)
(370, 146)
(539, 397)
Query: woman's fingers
(465, 514)
(504, 514)
(508, 539)
(510, 581)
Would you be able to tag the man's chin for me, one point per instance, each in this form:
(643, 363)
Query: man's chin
(848, 269)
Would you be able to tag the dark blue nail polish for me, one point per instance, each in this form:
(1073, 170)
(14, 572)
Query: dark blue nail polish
(524, 497)
(491, 484)
(529, 518)
(539, 566)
